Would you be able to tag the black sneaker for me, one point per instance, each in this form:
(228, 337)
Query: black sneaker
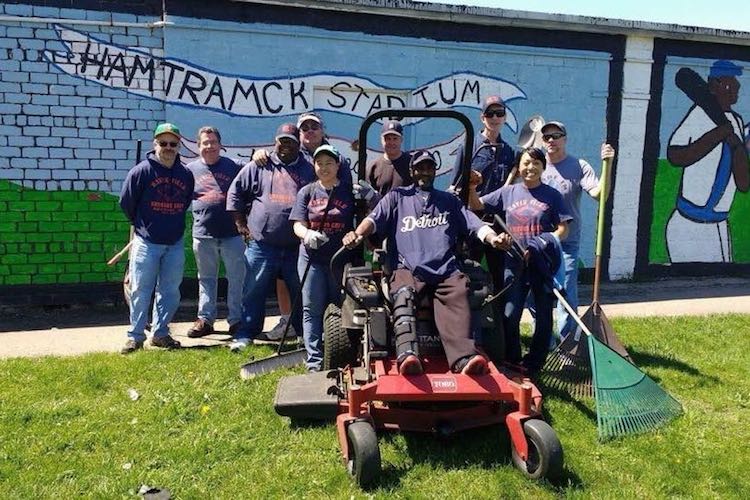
(131, 346)
(200, 328)
(165, 342)
(233, 329)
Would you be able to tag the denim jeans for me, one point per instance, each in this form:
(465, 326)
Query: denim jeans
(154, 268)
(318, 290)
(207, 252)
(265, 263)
(565, 323)
(526, 281)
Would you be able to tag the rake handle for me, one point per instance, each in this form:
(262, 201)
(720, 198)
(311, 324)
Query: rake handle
(606, 164)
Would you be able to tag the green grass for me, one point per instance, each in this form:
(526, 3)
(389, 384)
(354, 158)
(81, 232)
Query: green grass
(68, 428)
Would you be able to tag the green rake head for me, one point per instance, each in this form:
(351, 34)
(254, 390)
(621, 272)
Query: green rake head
(627, 400)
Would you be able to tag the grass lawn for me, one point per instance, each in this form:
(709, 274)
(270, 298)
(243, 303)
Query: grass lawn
(69, 428)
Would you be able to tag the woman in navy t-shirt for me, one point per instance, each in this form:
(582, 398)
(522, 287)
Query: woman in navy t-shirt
(531, 208)
(322, 214)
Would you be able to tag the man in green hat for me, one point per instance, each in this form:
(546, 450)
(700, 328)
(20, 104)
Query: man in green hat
(155, 196)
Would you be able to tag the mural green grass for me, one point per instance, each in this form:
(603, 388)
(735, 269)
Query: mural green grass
(666, 188)
(51, 237)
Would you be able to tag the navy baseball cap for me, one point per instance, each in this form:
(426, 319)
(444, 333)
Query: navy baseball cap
(559, 125)
(392, 127)
(288, 130)
(420, 156)
(722, 67)
(493, 100)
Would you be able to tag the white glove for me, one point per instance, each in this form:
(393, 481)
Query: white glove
(363, 191)
(314, 239)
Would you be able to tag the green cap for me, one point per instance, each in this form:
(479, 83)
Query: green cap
(167, 128)
(329, 150)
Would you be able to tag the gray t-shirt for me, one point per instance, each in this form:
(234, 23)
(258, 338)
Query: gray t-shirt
(570, 177)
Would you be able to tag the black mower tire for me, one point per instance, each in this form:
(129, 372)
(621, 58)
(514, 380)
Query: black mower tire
(545, 459)
(364, 453)
(340, 346)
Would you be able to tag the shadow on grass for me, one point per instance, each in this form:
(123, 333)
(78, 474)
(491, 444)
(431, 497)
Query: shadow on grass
(644, 359)
(485, 447)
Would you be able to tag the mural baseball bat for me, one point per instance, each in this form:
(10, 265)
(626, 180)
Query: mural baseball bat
(693, 85)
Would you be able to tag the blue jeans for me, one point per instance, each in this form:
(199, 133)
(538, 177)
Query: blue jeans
(565, 323)
(526, 281)
(318, 290)
(207, 252)
(265, 263)
(158, 268)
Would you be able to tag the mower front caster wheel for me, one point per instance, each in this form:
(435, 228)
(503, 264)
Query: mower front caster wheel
(364, 455)
(545, 458)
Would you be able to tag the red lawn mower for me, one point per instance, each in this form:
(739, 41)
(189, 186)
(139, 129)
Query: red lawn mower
(361, 388)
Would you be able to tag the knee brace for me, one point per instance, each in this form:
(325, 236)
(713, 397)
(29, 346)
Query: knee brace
(405, 321)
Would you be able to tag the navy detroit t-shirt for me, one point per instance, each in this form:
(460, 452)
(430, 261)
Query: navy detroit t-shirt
(310, 207)
(423, 229)
(210, 216)
(528, 212)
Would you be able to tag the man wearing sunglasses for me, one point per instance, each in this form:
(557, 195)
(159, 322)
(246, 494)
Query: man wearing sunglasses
(155, 196)
(570, 176)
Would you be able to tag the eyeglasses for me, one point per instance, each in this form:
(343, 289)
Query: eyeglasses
(171, 144)
(499, 113)
(313, 126)
(554, 135)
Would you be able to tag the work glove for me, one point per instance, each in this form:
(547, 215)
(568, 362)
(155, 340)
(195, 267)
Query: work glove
(363, 191)
(314, 239)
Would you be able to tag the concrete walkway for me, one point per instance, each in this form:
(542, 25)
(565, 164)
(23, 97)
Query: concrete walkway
(65, 334)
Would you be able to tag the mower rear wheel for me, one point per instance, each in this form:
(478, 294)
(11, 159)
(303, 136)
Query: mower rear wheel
(545, 458)
(364, 454)
(340, 345)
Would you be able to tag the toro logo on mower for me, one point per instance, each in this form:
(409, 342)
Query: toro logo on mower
(444, 384)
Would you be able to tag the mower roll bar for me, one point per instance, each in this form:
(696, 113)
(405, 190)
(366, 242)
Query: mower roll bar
(421, 113)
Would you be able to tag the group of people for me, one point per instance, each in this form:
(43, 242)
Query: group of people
(284, 214)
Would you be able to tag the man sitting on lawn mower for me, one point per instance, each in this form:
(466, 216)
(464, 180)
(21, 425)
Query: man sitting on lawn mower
(424, 227)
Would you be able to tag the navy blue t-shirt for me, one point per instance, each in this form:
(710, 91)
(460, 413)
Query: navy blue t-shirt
(423, 230)
(210, 216)
(266, 195)
(155, 199)
(494, 163)
(528, 212)
(310, 207)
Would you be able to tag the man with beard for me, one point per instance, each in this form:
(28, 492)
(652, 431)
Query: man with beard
(424, 226)
(155, 196)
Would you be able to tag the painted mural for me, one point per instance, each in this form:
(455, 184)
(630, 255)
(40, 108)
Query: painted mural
(701, 201)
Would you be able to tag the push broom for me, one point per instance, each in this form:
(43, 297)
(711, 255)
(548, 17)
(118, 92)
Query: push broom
(627, 400)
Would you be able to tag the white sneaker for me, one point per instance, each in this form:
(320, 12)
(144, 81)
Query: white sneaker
(274, 335)
(239, 344)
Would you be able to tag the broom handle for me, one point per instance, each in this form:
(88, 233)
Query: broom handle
(600, 228)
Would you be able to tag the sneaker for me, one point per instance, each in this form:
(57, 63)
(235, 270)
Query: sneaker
(233, 329)
(200, 328)
(474, 365)
(410, 366)
(274, 335)
(165, 342)
(238, 345)
(131, 346)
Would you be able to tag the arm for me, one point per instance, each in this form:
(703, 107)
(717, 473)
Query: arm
(740, 168)
(129, 197)
(475, 203)
(300, 229)
(354, 238)
(260, 157)
(684, 156)
(562, 231)
(608, 153)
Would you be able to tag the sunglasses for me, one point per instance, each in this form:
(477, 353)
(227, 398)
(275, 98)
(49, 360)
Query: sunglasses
(554, 135)
(171, 144)
(500, 113)
(314, 126)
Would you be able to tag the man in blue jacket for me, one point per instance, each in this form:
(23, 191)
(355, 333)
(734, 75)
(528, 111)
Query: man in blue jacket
(155, 196)
(260, 200)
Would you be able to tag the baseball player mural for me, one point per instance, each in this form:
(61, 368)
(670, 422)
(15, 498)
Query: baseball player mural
(709, 145)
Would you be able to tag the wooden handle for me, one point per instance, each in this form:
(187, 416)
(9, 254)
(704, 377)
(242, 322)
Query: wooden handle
(116, 258)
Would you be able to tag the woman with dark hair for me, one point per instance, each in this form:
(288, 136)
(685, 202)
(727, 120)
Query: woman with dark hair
(537, 216)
